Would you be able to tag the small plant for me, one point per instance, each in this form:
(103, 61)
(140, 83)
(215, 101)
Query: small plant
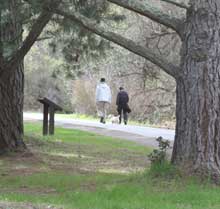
(160, 166)
(158, 156)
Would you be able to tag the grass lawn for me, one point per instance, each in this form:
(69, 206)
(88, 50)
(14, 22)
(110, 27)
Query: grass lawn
(80, 170)
(77, 116)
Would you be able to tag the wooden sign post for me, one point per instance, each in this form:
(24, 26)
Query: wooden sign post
(49, 107)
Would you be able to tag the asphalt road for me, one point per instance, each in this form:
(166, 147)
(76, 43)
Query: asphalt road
(140, 134)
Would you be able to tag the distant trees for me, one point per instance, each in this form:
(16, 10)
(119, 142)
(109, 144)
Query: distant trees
(42, 64)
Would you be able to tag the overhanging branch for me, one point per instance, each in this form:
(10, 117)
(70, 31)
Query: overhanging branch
(34, 33)
(44, 38)
(155, 14)
(1, 44)
(178, 4)
(124, 42)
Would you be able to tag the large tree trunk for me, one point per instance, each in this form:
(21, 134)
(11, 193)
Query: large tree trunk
(11, 83)
(11, 109)
(197, 137)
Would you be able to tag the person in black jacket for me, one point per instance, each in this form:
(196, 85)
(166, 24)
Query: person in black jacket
(122, 103)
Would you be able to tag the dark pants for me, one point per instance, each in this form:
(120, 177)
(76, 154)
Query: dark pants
(123, 110)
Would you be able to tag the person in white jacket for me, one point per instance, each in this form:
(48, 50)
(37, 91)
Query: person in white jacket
(103, 99)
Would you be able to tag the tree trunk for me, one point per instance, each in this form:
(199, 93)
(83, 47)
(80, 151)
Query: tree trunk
(11, 109)
(197, 139)
(11, 84)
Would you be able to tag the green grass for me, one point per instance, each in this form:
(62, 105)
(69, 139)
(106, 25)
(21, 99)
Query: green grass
(77, 116)
(99, 143)
(57, 175)
(115, 192)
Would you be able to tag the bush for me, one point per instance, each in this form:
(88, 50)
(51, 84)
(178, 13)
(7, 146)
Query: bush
(158, 156)
(160, 166)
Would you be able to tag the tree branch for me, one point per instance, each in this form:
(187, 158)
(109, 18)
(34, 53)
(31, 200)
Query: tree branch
(178, 4)
(124, 42)
(1, 43)
(155, 14)
(34, 33)
(129, 74)
(44, 38)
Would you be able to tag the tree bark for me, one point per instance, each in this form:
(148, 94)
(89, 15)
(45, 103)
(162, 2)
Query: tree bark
(11, 85)
(11, 108)
(197, 139)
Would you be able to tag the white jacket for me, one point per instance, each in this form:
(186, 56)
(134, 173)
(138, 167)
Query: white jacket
(103, 93)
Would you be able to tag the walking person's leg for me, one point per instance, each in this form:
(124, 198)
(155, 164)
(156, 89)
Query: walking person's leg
(125, 116)
(103, 112)
(105, 109)
(100, 107)
(119, 109)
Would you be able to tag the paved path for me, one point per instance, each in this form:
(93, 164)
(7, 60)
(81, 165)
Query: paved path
(140, 134)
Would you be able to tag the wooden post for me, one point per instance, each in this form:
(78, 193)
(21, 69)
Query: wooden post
(45, 120)
(51, 107)
(51, 123)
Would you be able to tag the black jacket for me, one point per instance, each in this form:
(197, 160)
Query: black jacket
(122, 99)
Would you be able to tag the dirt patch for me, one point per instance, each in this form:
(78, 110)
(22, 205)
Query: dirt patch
(25, 163)
(27, 190)
(10, 205)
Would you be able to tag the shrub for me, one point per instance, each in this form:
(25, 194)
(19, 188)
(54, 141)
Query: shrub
(160, 166)
(158, 156)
